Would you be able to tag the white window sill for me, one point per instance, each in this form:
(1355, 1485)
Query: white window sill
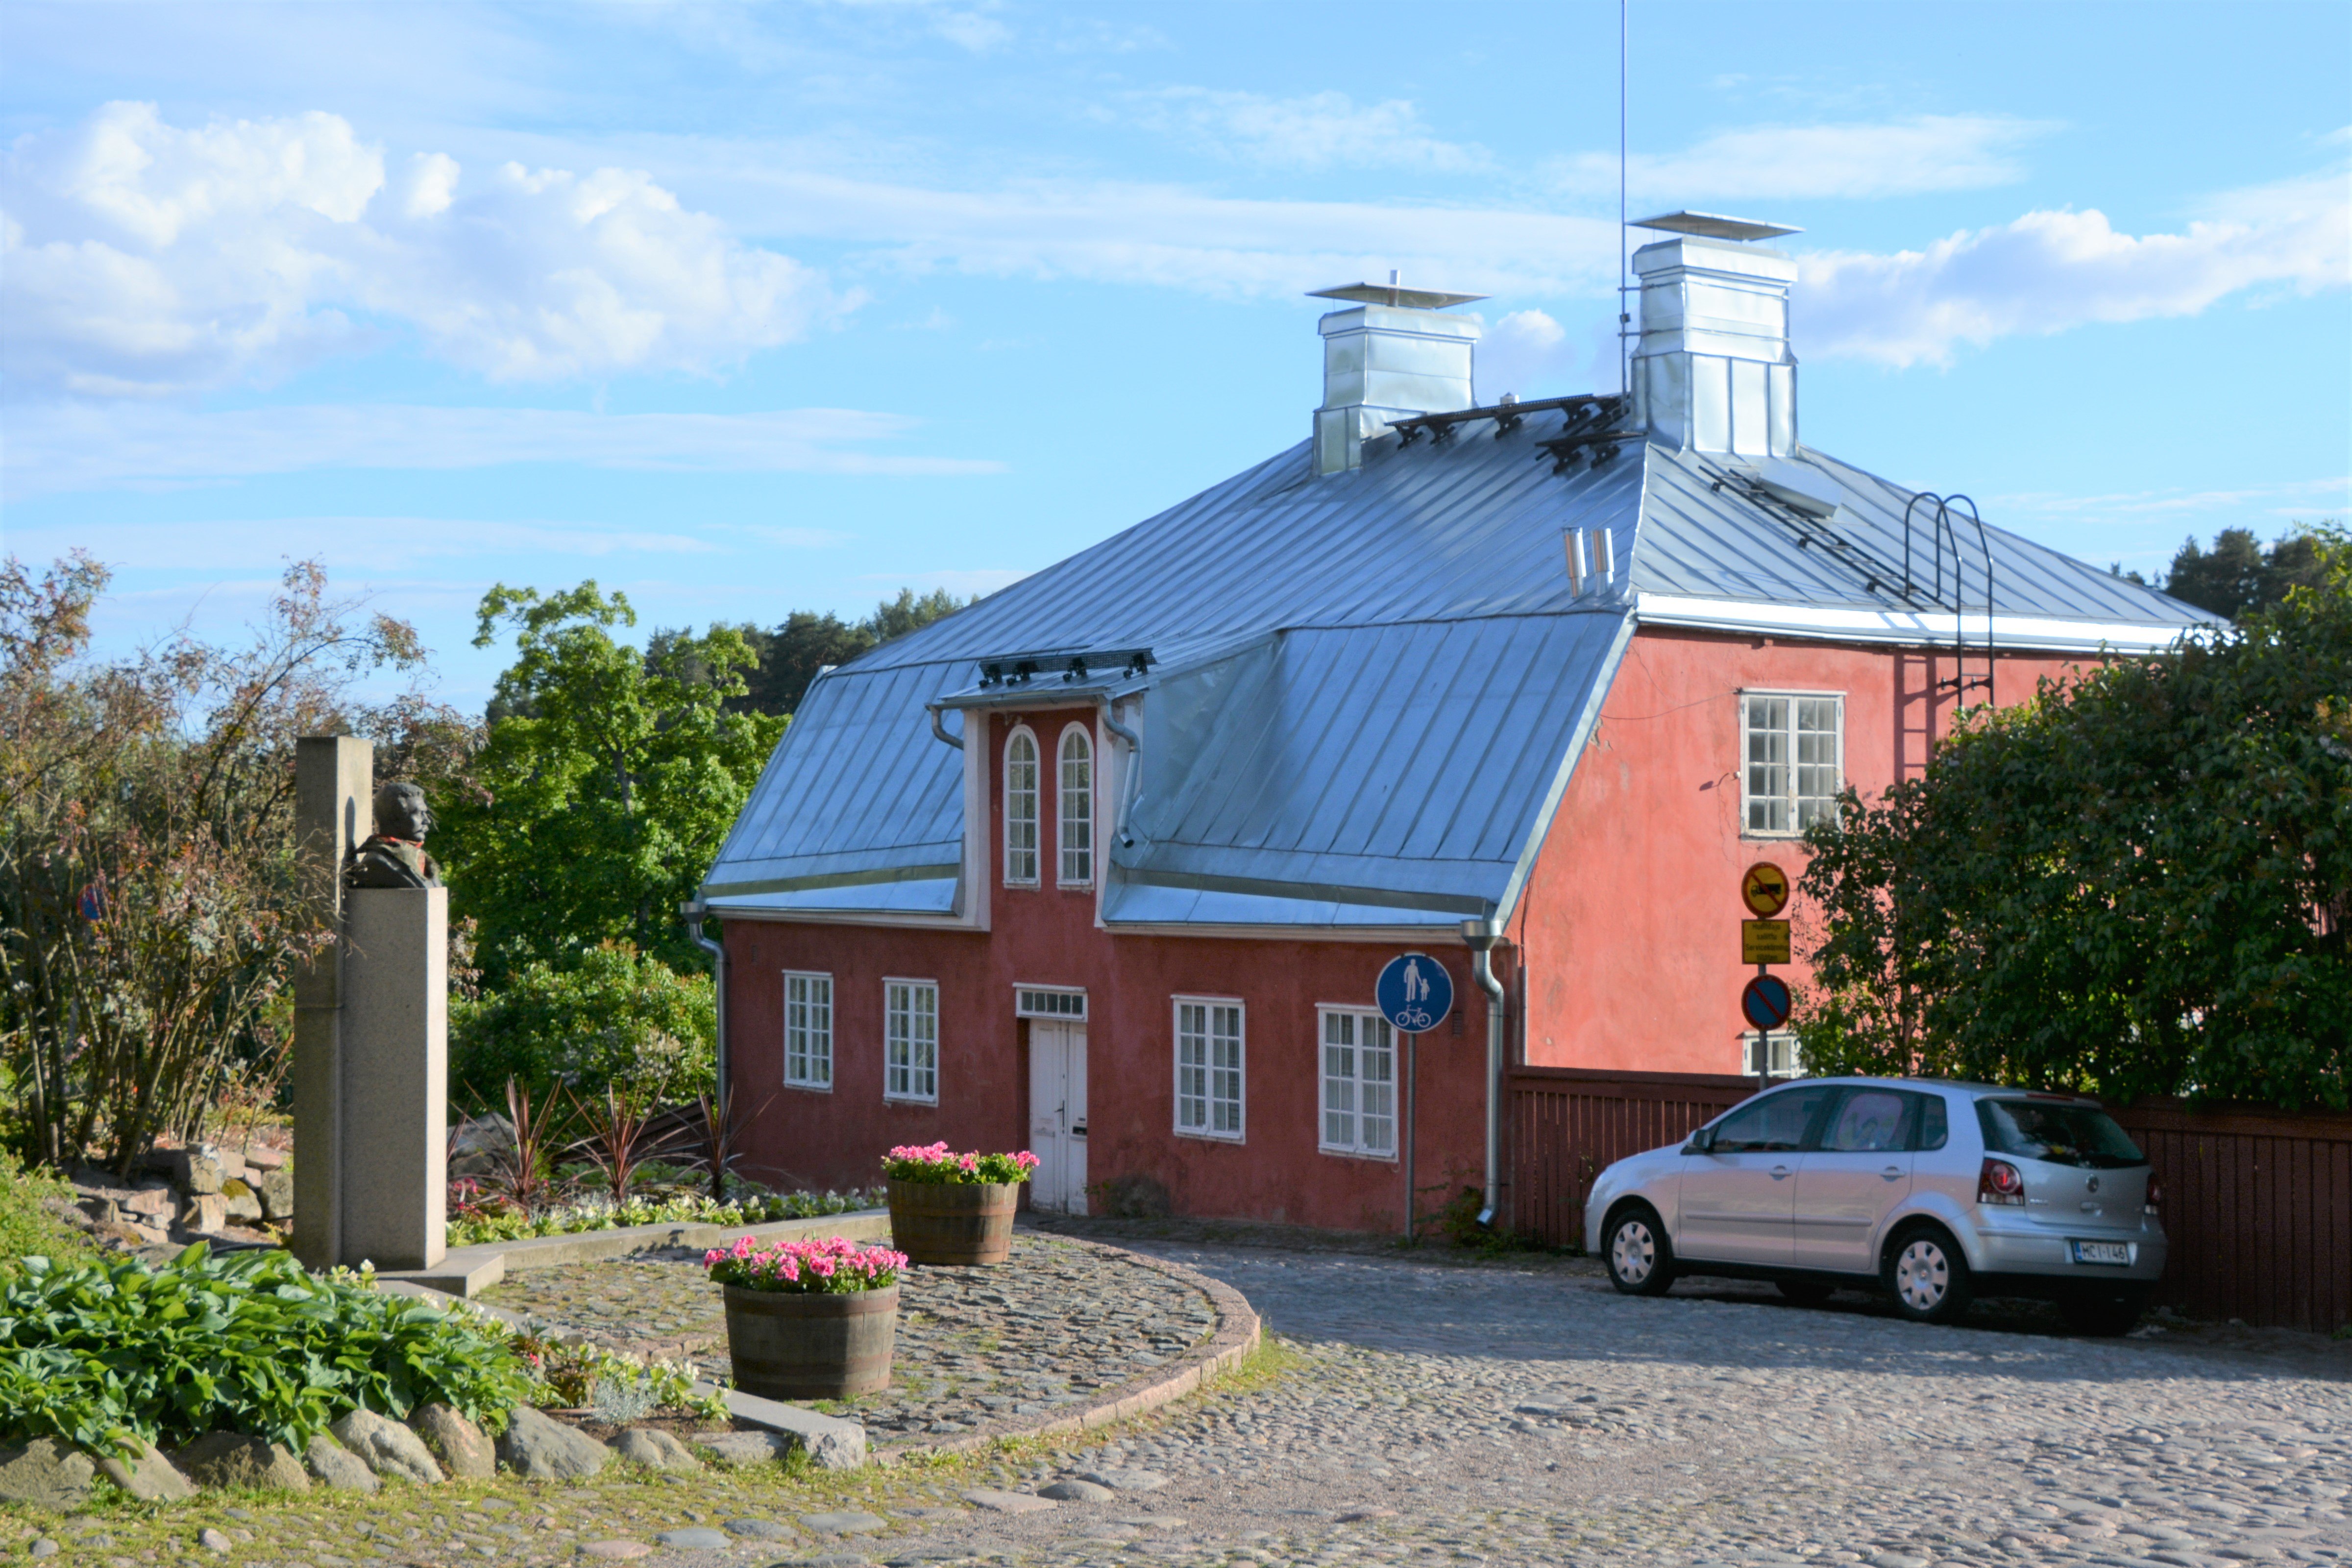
(809, 1088)
(1202, 1135)
(1389, 1158)
(932, 1103)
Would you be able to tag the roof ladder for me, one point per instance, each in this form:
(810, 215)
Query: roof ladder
(1942, 525)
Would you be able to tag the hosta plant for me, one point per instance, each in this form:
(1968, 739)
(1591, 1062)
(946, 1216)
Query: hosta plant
(935, 1163)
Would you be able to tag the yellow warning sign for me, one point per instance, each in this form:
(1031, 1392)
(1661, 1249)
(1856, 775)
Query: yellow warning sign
(1763, 941)
(1764, 889)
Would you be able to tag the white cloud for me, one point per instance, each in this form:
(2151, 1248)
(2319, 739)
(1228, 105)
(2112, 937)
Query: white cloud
(2290, 499)
(84, 445)
(1898, 157)
(1319, 131)
(143, 258)
(1530, 353)
(2049, 271)
(347, 544)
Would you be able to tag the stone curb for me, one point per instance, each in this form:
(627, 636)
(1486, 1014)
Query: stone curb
(1238, 1332)
(468, 1272)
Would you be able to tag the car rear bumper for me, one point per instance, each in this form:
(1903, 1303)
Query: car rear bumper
(2047, 1253)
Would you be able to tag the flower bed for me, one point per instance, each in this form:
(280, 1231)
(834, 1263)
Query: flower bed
(833, 1267)
(472, 1223)
(934, 1164)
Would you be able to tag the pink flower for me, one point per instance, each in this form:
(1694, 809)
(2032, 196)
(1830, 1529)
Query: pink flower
(742, 1247)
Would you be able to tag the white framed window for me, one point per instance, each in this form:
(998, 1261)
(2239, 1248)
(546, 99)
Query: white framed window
(1792, 756)
(1049, 1002)
(1772, 1056)
(1209, 1069)
(911, 1040)
(1358, 1063)
(1021, 808)
(1074, 799)
(808, 1029)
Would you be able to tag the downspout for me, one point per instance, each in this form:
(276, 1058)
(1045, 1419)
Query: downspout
(1480, 936)
(940, 731)
(1134, 771)
(696, 911)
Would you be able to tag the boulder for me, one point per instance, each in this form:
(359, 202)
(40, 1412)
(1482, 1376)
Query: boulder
(387, 1447)
(338, 1468)
(243, 1203)
(206, 1214)
(260, 1157)
(1077, 1492)
(194, 1171)
(234, 1459)
(655, 1448)
(155, 1205)
(277, 1190)
(540, 1448)
(148, 1475)
(465, 1449)
(739, 1448)
(45, 1473)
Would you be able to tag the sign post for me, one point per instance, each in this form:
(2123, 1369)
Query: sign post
(1764, 1001)
(1414, 993)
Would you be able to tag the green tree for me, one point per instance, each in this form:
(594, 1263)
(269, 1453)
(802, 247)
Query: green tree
(605, 786)
(2138, 883)
(610, 1016)
(805, 642)
(2238, 576)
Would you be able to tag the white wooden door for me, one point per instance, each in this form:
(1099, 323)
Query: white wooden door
(1057, 1115)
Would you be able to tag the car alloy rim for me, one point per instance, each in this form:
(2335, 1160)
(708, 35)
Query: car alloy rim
(1922, 1275)
(1632, 1252)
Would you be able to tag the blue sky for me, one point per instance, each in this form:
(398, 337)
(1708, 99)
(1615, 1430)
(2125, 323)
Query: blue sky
(752, 307)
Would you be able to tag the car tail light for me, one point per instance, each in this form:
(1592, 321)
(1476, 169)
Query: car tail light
(1999, 1183)
(2155, 1195)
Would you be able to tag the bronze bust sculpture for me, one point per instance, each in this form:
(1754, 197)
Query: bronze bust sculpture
(395, 857)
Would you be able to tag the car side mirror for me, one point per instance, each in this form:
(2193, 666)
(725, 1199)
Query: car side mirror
(1700, 1141)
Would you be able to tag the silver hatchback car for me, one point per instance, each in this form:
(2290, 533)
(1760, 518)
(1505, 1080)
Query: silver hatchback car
(1935, 1191)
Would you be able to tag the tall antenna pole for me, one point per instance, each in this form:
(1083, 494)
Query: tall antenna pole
(1624, 264)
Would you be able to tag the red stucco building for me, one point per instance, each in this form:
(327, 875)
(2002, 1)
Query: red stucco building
(1106, 866)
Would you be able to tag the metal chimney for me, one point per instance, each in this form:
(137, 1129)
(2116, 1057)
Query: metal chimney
(1714, 373)
(1392, 357)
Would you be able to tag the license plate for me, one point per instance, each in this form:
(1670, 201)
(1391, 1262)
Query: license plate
(2103, 1252)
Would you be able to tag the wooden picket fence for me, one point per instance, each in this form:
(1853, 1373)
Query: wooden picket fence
(2257, 1202)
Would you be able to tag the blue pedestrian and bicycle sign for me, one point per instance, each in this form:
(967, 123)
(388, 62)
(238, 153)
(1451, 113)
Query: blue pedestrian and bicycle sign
(1414, 992)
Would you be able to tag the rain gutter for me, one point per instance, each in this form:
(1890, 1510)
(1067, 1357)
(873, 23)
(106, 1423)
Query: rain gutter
(1134, 770)
(1480, 937)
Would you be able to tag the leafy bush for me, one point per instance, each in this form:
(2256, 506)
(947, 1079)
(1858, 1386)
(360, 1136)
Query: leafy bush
(613, 1018)
(97, 1354)
(470, 1226)
(27, 1228)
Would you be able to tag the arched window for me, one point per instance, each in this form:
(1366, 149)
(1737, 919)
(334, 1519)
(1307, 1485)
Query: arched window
(1021, 810)
(1076, 795)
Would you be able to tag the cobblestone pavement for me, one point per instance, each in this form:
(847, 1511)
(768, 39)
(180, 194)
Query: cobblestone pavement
(1528, 1414)
(1048, 1330)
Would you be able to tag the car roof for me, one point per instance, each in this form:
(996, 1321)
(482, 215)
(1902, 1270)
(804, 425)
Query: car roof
(1963, 1085)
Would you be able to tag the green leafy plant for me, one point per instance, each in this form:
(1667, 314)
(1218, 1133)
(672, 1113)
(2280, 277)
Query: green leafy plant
(249, 1343)
(28, 1226)
(607, 1017)
(475, 1225)
(832, 1267)
(621, 1138)
(577, 1375)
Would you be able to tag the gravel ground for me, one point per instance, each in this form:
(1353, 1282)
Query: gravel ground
(1048, 1330)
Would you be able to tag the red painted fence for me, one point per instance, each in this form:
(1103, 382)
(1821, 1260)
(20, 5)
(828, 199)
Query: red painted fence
(2257, 1202)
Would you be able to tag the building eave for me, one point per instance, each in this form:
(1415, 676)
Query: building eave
(1825, 623)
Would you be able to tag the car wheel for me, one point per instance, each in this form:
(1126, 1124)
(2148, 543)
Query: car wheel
(2104, 1314)
(1641, 1260)
(1927, 1276)
(1805, 1292)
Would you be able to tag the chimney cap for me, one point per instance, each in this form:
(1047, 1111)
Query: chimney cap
(1715, 226)
(1391, 294)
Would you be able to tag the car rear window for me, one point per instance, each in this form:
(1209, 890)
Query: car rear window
(2061, 1133)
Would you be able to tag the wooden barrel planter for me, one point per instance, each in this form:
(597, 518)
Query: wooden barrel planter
(953, 1222)
(797, 1345)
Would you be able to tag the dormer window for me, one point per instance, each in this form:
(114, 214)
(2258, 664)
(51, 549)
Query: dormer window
(1020, 809)
(1075, 799)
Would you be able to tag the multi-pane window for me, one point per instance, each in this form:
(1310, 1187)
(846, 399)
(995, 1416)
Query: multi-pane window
(1794, 751)
(1076, 798)
(808, 1030)
(1020, 809)
(1774, 1055)
(1209, 1068)
(911, 1040)
(1359, 1083)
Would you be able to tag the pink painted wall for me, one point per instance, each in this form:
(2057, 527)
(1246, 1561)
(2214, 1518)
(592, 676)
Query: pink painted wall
(1631, 925)
(1047, 936)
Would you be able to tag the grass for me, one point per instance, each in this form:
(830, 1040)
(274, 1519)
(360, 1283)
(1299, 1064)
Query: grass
(28, 1226)
(624, 1501)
